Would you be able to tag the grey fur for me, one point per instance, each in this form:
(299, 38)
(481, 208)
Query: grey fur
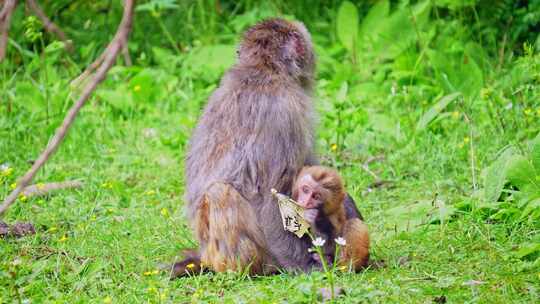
(255, 134)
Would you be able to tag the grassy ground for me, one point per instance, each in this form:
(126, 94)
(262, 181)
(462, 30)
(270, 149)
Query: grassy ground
(105, 242)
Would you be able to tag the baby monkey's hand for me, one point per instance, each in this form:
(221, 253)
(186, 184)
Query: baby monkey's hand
(310, 215)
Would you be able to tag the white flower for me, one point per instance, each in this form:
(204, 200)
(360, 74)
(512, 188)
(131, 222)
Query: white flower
(341, 241)
(318, 242)
(4, 167)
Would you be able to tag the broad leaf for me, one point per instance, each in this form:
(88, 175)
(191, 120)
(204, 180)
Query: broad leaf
(535, 155)
(347, 25)
(520, 172)
(212, 59)
(405, 218)
(528, 249)
(435, 110)
(495, 177)
(531, 208)
(375, 17)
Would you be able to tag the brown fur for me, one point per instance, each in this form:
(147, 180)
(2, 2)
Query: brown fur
(255, 133)
(353, 230)
(356, 251)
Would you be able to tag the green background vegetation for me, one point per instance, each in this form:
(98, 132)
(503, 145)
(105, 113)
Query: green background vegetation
(445, 94)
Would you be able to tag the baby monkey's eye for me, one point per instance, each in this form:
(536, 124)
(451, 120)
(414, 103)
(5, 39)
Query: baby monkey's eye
(305, 189)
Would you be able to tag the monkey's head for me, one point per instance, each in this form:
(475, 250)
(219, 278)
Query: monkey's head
(319, 187)
(279, 47)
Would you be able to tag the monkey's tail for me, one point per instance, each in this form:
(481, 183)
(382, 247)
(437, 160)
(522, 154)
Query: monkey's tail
(229, 233)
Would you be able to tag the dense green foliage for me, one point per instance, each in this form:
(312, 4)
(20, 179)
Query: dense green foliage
(443, 95)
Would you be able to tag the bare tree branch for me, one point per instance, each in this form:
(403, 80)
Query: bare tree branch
(5, 22)
(48, 24)
(108, 59)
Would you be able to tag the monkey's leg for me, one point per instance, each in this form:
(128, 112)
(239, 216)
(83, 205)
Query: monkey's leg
(228, 231)
(356, 251)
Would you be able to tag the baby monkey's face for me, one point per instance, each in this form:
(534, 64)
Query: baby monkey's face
(311, 195)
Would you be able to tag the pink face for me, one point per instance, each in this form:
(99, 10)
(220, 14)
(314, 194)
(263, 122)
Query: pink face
(309, 193)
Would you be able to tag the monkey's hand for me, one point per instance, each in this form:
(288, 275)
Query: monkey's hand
(310, 215)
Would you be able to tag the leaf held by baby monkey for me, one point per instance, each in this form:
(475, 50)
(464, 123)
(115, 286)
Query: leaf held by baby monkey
(291, 214)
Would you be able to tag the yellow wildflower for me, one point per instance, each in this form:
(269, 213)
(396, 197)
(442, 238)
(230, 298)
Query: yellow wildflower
(149, 273)
(63, 238)
(107, 185)
(137, 88)
(527, 111)
(152, 289)
(107, 300)
(190, 265)
(466, 139)
(333, 147)
(23, 197)
(13, 186)
(165, 212)
(150, 192)
(342, 268)
(455, 115)
(485, 93)
(7, 171)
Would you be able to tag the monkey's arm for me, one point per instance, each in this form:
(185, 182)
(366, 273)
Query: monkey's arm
(351, 211)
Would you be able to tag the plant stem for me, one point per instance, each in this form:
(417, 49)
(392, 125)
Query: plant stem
(168, 35)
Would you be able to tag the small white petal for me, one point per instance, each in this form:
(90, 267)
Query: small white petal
(341, 241)
(318, 242)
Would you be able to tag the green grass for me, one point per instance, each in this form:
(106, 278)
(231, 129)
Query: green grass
(107, 241)
(128, 219)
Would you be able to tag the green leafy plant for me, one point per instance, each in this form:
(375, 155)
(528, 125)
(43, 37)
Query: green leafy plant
(512, 190)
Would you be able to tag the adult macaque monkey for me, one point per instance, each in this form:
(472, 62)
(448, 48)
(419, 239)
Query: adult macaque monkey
(320, 191)
(256, 133)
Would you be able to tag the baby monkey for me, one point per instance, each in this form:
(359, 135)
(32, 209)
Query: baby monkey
(320, 191)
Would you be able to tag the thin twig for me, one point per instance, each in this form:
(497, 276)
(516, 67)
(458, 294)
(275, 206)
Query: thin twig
(43, 189)
(50, 26)
(5, 22)
(373, 159)
(109, 58)
(365, 166)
